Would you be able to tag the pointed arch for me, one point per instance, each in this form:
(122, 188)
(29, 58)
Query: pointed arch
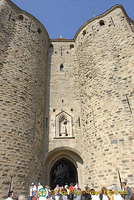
(63, 125)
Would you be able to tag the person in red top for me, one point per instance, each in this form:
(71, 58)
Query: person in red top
(71, 192)
(35, 196)
(71, 188)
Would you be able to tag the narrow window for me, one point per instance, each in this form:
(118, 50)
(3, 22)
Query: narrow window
(128, 103)
(61, 50)
(46, 122)
(84, 32)
(10, 16)
(79, 121)
(51, 46)
(53, 110)
(21, 17)
(71, 46)
(39, 30)
(101, 22)
(61, 67)
(93, 30)
(71, 109)
(29, 27)
(112, 21)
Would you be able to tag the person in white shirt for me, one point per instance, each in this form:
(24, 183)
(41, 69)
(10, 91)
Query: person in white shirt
(103, 195)
(10, 195)
(93, 195)
(33, 189)
(39, 186)
(116, 195)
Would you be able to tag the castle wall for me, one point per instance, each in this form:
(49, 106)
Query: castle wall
(24, 43)
(63, 99)
(106, 77)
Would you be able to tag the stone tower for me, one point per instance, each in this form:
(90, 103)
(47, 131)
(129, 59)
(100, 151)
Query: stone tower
(24, 44)
(67, 106)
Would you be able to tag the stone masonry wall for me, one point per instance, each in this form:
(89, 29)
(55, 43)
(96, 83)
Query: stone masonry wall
(24, 44)
(106, 77)
(63, 96)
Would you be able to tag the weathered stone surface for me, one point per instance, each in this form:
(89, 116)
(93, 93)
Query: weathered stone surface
(24, 58)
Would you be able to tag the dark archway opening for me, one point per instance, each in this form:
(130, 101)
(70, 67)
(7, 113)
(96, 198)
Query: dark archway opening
(63, 172)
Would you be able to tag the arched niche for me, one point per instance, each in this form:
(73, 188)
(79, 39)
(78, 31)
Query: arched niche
(63, 126)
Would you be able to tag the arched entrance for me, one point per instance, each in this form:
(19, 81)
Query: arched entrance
(67, 159)
(63, 172)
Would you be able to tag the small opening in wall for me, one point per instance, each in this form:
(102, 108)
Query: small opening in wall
(21, 17)
(39, 30)
(84, 32)
(71, 46)
(51, 46)
(62, 101)
(55, 51)
(46, 122)
(10, 16)
(79, 121)
(102, 23)
(53, 110)
(67, 52)
(61, 67)
(71, 109)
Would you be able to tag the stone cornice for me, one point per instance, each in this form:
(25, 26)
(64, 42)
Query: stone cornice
(61, 40)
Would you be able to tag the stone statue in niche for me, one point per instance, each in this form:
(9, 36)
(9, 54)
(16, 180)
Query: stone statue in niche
(63, 126)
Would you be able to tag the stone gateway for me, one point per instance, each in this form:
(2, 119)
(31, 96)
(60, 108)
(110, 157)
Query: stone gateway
(66, 105)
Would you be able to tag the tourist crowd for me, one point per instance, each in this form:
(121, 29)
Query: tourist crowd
(74, 192)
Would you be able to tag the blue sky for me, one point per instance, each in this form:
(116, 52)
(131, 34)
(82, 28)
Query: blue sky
(65, 17)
